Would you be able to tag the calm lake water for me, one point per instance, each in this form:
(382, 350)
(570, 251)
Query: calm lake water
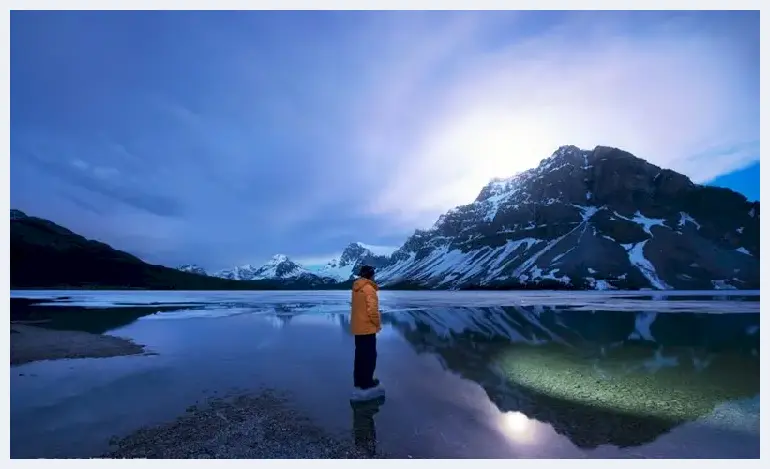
(467, 374)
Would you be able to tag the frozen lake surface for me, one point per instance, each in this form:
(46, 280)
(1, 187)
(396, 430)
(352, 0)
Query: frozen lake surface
(468, 374)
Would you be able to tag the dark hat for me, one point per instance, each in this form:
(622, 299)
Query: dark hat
(366, 271)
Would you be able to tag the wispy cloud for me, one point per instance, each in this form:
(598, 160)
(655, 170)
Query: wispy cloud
(230, 137)
(674, 93)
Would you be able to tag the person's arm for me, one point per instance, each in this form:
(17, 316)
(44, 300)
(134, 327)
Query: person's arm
(372, 306)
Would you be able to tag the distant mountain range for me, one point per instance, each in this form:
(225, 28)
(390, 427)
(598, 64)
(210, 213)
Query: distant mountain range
(280, 267)
(582, 219)
(588, 219)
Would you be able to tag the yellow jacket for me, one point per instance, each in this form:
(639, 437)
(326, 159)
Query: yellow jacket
(365, 312)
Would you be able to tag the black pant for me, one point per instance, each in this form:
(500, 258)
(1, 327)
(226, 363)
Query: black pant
(365, 361)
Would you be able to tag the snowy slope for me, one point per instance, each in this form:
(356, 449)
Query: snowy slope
(334, 270)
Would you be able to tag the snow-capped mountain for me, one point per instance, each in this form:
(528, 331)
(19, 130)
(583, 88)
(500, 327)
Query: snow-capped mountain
(279, 268)
(352, 257)
(240, 272)
(600, 219)
(193, 269)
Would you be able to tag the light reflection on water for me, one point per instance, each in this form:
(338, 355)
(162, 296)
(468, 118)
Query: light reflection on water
(535, 381)
(518, 427)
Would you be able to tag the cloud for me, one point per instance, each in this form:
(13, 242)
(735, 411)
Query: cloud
(100, 172)
(674, 94)
(80, 202)
(234, 136)
(317, 260)
(80, 164)
(100, 180)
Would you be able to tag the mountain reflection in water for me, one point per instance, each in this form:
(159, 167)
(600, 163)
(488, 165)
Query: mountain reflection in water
(598, 377)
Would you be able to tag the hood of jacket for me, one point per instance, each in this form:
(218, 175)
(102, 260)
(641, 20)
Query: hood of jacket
(359, 284)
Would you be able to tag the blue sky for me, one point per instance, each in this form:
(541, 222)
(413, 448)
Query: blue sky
(223, 138)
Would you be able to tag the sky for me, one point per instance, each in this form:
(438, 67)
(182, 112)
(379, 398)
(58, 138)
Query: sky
(222, 138)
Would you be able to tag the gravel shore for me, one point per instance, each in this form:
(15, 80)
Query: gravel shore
(260, 426)
(30, 344)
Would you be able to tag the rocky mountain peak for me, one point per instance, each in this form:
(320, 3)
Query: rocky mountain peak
(352, 254)
(604, 175)
(601, 218)
(278, 259)
(568, 153)
(283, 268)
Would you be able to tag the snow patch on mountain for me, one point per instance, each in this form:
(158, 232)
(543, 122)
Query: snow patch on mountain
(637, 259)
(685, 217)
(646, 222)
(538, 274)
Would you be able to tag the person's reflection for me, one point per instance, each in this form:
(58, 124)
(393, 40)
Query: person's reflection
(364, 433)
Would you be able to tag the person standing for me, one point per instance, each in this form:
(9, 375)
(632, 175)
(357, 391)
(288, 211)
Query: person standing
(365, 323)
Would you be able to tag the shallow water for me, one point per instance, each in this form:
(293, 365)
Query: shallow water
(468, 374)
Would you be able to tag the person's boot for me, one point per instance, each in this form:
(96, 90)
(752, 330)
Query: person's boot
(372, 392)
